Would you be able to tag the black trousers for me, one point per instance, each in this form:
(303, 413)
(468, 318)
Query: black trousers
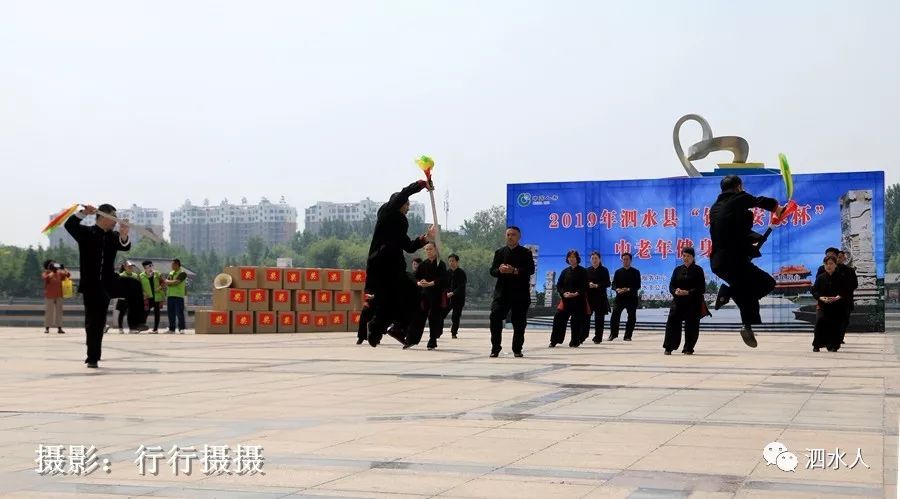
(829, 327)
(598, 311)
(500, 308)
(364, 317)
(672, 338)
(96, 306)
(395, 302)
(430, 311)
(630, 306)
(748, 284)
(572, 311)
(455, 312)
(153, 306)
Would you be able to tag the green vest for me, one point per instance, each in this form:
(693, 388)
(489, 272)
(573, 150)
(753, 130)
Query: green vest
(132, 275)
(157, 294)
(177, 290)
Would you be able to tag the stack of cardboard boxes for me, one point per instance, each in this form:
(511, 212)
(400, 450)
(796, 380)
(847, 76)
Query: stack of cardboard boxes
(285, 300)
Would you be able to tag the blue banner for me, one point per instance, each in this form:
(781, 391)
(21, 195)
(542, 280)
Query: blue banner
(654, 219)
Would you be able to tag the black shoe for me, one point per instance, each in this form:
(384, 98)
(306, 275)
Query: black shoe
(46, 331)
(688, 352)
(598, 339)
(668, 352)
(454, 336)
(60, 331)
(612, 337)
(374, 340)
(552, 345)
(406, 346)
(815, 349)
(495, 354)
(432, 344)
(518, 354)
(397, 335)
(626, 339)
(139, 328)
(92, 365)
(359, 341)
(573, 345)
(747, 336)
(723, 297)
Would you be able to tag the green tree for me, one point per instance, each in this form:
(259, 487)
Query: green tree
(892, 227)
(30, 284)
(256, 250)
(325, 253)
(487, 227)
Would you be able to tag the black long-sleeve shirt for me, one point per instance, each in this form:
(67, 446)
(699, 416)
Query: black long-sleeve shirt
(572, 280)
(627, 278)
(834, 284)
(458, 281)
(731, 226)
(691, 279)
(514, 286)
(432, 271)
(386, 262)
(97, 251)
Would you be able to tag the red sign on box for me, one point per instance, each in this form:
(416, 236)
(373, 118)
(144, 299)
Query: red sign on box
(321, 321)
(336, 319)
(335, 275)
(242, 319)
(281, 296)
(265, 318)
(287, 319)
(304, 319)
(248, 274)
(258, 296)
(236, 296)
(292, 276)
(358, 276)
(304, 297)
(273, 275)
(218, 318)
(342, 297)
(354, 318)
(323, 296)
(313, 275)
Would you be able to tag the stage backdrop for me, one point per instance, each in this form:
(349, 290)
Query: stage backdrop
(654, 219)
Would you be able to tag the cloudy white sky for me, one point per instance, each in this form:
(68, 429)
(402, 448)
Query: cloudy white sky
(160, 101)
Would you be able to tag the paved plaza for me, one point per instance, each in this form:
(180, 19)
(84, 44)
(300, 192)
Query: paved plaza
(338, 420)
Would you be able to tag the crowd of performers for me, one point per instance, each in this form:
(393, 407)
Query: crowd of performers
(400, 304)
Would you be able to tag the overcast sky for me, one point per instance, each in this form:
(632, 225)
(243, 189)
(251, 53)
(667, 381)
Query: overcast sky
(160, 101)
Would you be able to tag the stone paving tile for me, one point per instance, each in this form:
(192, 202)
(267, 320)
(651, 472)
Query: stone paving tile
(340, 420)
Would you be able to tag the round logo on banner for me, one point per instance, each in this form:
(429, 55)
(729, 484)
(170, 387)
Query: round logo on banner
(524, 199)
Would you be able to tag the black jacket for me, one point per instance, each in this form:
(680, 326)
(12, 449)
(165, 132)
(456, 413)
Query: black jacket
(97, 251)
(513, 286)
(431, 271)
(627, 278)
(597, 296)
(386, 262)
(832, 285)
(693, 280)
(573, 280)
(731, 227)
(457, 283)
(850, 280)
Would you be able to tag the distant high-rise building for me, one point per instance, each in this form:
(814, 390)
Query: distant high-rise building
(226, 228)
(324, 211)
(150, 218)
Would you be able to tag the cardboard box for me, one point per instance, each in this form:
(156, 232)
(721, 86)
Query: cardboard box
(346, 301)
(357, 279)
(324, 301)
(243, 277)
(266, 322)
(271, 277)
(320, 322)
(211, 322)
(241, 322)
(281, 300)
(337, 321)
(230, 299)
(335, 280)
(313, 279)
(303, 300)
(304, 322)
(287, 322)
(353, 320)
(293, 279)
(259, 299)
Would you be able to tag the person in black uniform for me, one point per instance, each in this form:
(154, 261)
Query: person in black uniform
(457, 293)
(431, 278)
(598, 301)
(852, 283)
(734, 244)
(362, 333)
(687, 286)
(626, 282)
(513, 267)
(386, 277)
(97, 249)
(830, 291)
(572, 288)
